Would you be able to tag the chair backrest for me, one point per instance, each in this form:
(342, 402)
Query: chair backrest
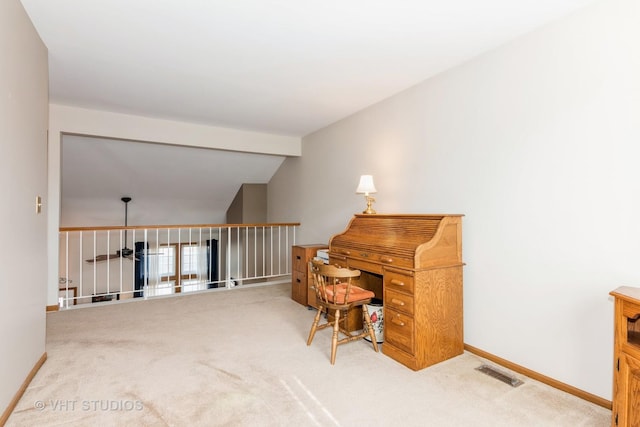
(328, 277)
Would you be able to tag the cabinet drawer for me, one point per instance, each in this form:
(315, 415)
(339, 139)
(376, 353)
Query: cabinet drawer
(298, 279)
(299, 258)
(398, 301)
(398, 330)
(365, 266)
(373, 257)
(394, 280)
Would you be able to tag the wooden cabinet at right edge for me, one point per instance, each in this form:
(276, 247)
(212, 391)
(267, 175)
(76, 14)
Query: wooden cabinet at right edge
(626, 360)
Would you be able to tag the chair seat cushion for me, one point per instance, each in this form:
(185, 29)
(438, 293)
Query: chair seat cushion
(355, 294)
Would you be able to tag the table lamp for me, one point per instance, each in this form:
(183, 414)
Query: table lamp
(366, 187)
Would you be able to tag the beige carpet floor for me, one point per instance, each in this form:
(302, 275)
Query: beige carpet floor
(239, 358)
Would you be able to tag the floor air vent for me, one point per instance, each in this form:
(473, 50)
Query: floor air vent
(499, 375)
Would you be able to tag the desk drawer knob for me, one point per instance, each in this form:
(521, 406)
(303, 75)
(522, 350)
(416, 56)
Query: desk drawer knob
(397, 302)
(386, 260)
(397, 322)
(397, 282)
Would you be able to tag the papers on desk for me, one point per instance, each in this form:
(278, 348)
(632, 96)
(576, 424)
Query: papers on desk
(323, 254)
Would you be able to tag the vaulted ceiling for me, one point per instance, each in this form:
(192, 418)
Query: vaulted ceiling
(168, 184)
(278, 66)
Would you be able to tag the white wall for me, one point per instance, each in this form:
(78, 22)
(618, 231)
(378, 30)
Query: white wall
(23, 166)
(81, 121)
(537, 143)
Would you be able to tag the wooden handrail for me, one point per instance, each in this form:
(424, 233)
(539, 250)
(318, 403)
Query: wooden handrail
(141, 227)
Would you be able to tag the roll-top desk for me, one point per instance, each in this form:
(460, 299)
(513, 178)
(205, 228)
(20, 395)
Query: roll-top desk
(418, 260)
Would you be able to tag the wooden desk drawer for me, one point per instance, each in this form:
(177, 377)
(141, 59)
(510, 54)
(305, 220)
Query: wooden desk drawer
(373, 257)
(300, 261)
(398, 330)
(298, 278)
(398, 301)
(397, 281)
(364, 266)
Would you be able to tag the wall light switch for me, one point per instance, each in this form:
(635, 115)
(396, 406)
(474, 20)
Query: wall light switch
(38, 204)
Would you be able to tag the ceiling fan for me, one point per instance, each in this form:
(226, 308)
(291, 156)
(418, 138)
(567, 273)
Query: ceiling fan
(125, 252)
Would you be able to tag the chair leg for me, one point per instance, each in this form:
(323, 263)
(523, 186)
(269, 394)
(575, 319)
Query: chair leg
(314, 326)
(372, 334)
(334, 338)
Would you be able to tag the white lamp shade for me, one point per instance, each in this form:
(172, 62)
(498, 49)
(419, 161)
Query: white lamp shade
(366, 185)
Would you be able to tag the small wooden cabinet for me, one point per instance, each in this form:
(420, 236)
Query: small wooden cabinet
(626, 368)
(300, 279)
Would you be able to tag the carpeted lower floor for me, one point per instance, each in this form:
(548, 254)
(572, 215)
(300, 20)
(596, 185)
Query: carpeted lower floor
(239, 358)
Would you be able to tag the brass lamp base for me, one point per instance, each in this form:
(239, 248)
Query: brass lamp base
(369, 209)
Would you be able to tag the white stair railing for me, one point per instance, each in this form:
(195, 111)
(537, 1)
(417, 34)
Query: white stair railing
(112, 263)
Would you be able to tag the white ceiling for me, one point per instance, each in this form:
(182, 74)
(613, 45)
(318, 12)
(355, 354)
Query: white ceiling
(277, 66)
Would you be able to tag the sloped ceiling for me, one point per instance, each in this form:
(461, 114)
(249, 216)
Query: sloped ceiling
(285, 66)
(168, 184)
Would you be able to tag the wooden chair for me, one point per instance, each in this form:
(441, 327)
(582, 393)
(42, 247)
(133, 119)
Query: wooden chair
(336, 294)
